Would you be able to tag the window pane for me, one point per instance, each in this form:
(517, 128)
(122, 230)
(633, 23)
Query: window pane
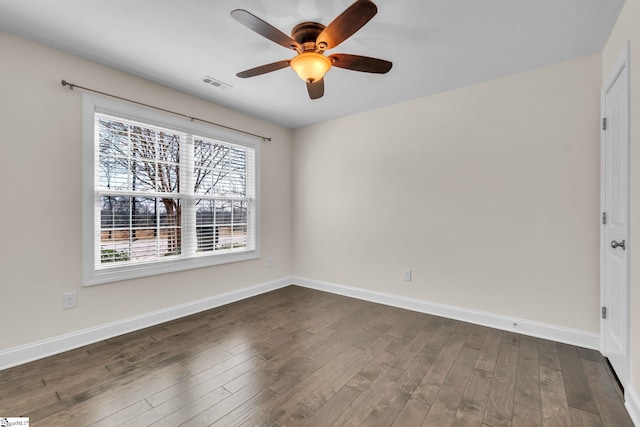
(169, 147)
(113, 173)
(223, 212)
(143, 175)
(139, 228)
(219, 169)
(205, 230)
(170, 229)
(239, 212)
(237, 159)
(113, 137)
(138, 158)
(239, 238)
(168, 178)
(143, 143)
(221, 224)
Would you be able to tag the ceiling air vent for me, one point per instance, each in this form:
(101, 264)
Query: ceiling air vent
(215, 83)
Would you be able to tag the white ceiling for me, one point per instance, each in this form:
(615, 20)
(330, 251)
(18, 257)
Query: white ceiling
(435, 45)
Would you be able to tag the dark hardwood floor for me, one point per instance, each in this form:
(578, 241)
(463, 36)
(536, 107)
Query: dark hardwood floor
(302, 357)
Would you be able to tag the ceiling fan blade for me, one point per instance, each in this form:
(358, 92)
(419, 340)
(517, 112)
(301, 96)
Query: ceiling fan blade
(360, 63)
(346, 24)
(264, 29)
(263, 69)
(316, 89)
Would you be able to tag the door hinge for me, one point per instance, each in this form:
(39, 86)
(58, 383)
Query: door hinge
(604, 218)
(604, 312)
(604, 123)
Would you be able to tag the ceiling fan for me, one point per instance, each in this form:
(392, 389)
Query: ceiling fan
(310, 40)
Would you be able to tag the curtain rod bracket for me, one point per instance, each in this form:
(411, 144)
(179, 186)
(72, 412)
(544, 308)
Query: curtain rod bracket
(71, 86)
(65, 83)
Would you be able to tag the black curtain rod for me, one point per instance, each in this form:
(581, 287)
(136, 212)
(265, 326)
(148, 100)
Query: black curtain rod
(71, 86)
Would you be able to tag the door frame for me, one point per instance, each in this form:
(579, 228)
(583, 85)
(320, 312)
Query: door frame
(619, 70)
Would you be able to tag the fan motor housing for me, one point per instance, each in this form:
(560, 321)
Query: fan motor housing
(306, 34)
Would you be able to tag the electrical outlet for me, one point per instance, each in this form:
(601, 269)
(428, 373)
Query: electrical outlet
(69, 300)
(406, 274)
(270, 262)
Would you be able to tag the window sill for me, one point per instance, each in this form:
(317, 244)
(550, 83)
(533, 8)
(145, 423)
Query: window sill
(126, 272)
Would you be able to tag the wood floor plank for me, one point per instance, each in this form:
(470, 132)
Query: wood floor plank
(344, 336)
(334, 382)
(20, 377)
(548, 354)
(312, 367)
(335, 406)
(240, 413)
(398, 345)
(511, 338)
(430, 384)
(589, 354)
(527, 391)
(193, 404)
(406, 356)
(413, 413)
(524, 416)
(398, 321)
(473, 403)
(281, 348)
(501, 393)
(365, 403)
(23, 403)
(411, 377)
(475, 334)
(295, 356)
(207, 380)
(120, 417)
(609, 405)
(441, 325)
(294, 392)
(489, 350)
(444, 408)
(584, 419)
(185, 416)
(575, 380)
(398, 395)
(555, 409)
(387, 409)
(381, 321)
(363, 379)
(360, 314)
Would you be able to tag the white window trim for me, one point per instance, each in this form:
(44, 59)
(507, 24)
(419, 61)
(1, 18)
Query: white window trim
(92, 276)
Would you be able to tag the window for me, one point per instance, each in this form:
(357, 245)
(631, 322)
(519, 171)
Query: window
(164, 194)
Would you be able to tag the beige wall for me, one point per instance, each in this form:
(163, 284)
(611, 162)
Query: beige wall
(628, 29)
(490, 193)
(41, 173)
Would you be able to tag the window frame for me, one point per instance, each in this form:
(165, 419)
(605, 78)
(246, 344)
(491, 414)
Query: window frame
(92, 104)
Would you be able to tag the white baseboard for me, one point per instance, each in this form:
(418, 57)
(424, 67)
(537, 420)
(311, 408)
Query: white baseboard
(632, 403)
(48, 347)
(522, 326)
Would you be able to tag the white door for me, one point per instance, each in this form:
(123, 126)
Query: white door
(615, 228)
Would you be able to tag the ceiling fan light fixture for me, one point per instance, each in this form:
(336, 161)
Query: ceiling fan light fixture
(310, 66)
